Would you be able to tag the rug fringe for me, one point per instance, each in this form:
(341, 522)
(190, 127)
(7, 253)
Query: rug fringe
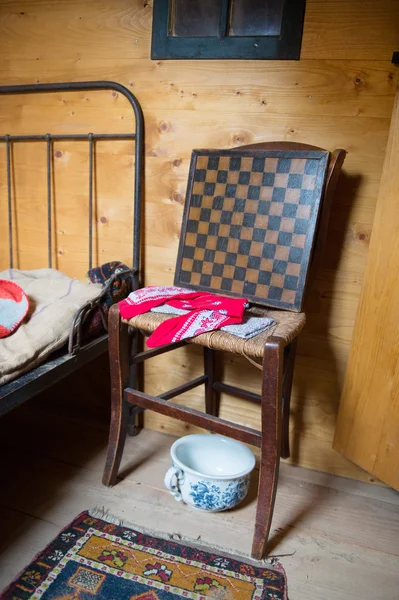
(103, 513)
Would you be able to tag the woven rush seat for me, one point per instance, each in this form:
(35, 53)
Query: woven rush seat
(288, 326)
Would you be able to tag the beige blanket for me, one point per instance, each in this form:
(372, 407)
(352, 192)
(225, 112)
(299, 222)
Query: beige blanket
(54, 299)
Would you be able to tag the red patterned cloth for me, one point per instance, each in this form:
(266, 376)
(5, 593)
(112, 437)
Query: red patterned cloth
(207, 312)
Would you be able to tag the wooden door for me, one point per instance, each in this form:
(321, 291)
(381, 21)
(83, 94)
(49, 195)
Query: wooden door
(367, 430)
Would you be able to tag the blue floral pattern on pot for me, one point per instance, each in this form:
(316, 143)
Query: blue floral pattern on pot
(209, 472)
(208, 496)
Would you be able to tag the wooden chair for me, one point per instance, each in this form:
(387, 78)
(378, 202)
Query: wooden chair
(249, 227)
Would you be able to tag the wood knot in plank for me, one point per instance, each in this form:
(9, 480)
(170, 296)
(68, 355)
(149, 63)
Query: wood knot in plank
(177, 197)
(360, 236)
(241, 138)
(359, 81)
(163, 127)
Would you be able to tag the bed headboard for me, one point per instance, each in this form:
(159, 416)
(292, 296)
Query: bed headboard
(48, 138)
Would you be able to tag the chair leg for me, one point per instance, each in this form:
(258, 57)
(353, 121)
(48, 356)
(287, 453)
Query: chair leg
(290, 354)
(136, 418)
(212, 396)
(118, 344)
(272, 375)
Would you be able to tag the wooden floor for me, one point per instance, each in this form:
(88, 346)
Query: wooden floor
(337, 538)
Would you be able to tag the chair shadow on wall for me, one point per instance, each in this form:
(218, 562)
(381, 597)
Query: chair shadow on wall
(315, 342)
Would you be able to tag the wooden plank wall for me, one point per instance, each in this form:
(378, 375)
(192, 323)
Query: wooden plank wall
(339, 95)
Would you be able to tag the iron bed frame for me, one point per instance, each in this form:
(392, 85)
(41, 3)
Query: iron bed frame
(62, 363)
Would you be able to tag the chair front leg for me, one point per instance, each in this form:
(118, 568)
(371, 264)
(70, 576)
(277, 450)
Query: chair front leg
(272, 375)
(118, 345)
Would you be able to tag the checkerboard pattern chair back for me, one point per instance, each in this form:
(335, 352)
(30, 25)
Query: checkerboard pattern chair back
(249, 223)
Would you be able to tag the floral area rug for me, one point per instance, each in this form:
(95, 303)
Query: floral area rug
(96, 558)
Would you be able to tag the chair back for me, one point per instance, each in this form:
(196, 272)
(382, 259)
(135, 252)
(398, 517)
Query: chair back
(250, 220)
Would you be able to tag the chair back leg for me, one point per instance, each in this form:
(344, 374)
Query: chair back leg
(212, 396)
(136, 382)
(271, 407)
(289, 362)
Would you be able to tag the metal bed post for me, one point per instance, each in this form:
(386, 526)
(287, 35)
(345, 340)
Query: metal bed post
(49, 224)
(9, 199)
